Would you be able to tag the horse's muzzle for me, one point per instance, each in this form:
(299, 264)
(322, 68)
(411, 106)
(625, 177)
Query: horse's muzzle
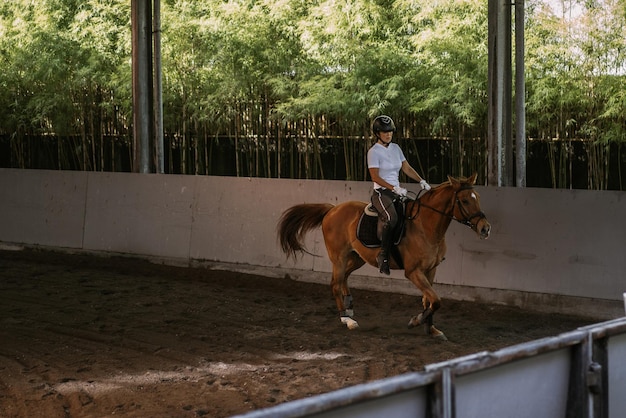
(483, 227)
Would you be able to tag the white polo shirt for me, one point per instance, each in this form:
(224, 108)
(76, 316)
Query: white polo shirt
(388, 160)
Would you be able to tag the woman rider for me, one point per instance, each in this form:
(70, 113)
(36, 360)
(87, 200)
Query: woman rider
(385, 159)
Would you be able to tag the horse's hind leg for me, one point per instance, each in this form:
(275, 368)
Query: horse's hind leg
(339, 284)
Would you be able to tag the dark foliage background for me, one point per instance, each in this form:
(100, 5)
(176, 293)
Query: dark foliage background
(287, 88)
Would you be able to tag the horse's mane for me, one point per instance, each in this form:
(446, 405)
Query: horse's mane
(443, 185)
(448, 183)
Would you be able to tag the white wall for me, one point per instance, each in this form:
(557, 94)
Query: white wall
(550, 250)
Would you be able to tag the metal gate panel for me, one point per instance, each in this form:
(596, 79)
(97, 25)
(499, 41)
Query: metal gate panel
(411, 404)
(581, 373)
(532, 387)
(401, 396)
(617, 376)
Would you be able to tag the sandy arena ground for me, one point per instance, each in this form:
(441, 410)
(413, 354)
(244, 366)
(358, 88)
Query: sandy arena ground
(85, 336)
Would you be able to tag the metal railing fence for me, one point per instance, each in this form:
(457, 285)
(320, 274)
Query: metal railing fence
(578, 374)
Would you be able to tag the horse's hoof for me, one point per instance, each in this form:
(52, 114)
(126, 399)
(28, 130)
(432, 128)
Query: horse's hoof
(421, 319)
(437, 334)
(349, 322)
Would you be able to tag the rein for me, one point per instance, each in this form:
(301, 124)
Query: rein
(467, 220)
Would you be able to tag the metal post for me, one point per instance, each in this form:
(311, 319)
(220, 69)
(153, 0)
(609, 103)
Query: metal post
(141, 18)
(505, 50)
(441, 396)
(499, 136)
(599, 392)
(493, 166)
(158, 90)
(520, 97)
(449, 409)
(578, 400)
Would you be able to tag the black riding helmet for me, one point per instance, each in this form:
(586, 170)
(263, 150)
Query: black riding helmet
(383, 123)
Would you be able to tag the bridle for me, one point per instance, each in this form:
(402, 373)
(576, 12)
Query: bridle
(467, 218)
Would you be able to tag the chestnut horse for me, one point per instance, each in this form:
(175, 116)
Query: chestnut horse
(421, 250)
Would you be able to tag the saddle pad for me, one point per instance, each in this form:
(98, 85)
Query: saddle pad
(366, 231)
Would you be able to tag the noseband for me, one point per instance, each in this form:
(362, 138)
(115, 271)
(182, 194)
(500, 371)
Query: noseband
(467, 218)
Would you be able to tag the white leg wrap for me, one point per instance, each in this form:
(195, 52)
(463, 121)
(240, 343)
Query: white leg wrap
(350, 323)
(350, 312)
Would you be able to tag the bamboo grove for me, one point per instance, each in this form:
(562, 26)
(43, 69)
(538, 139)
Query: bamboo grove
(287, 88)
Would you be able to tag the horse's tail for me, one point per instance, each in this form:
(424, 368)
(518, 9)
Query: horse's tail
(296, 221)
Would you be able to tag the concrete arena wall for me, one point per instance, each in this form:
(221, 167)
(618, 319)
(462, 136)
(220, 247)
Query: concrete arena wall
(550, 250)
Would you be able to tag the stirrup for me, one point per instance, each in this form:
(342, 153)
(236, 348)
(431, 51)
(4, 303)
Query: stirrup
(383, 264)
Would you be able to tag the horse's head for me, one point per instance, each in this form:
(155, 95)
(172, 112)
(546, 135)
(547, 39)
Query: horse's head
(467, 206)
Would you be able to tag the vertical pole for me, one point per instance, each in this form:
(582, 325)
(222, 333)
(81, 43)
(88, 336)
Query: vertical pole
(578, 399)
(141, 18)
(599, 392)
(449, 410)
(520, 96)
(158, 89)
(493, 146)
(505, 51)
(499, 136)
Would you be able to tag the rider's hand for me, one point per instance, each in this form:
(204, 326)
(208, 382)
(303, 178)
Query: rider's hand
(425, 185)
(400, 191)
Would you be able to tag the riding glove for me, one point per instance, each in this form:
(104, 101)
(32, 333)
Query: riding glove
(400, 191)
(425, 185)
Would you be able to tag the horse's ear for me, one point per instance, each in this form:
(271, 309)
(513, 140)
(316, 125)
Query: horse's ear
(453, 181)
(472, 179)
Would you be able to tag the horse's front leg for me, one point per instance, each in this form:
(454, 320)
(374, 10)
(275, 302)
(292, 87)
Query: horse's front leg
(430, 302)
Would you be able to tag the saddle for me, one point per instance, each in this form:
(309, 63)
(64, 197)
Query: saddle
(366, 230)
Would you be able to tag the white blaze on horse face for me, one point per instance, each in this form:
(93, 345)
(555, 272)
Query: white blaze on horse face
(473, 196)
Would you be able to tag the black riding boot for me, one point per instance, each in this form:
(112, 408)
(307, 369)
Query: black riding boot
(383, 256)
